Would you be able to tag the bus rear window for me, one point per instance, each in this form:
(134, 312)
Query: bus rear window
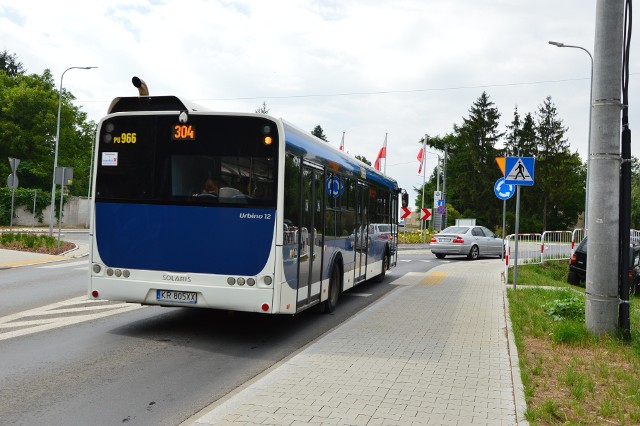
(209, 160)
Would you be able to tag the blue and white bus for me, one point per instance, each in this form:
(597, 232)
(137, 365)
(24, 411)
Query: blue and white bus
(231, 211)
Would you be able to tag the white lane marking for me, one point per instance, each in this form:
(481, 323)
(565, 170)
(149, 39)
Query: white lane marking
(66, 265)
(61, 314)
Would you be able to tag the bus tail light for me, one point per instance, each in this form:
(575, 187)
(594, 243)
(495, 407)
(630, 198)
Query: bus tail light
(95, 294)
(265, 307)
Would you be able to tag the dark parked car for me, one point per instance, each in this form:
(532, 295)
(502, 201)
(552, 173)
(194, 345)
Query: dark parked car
(578, 266)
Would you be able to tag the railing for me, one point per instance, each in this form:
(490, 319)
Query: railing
(576, 236)
(529, 249)
(550, 245)
(556, 245)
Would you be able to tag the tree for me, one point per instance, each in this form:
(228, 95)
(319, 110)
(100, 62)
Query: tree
(557, 197)
(556, 167)
(319, 133)
(28, 121)
(363, 159)
(9, 63)
(263, 109)
(472, 163)
(512, 136)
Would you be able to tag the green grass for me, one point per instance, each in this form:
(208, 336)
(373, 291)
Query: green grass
(553, 273)
(570, 376)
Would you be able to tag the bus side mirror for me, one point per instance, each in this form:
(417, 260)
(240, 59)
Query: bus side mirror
(405, 199)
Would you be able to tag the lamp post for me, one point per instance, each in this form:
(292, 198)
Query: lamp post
(93, 140)
(55, 155)
(586, 202)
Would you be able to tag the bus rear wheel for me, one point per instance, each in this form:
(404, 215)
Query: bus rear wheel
(334, 290)
(385, 265)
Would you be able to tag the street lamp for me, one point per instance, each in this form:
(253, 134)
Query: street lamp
(586, 202)
(55, 155)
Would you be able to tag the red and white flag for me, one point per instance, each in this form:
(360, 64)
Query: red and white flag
(342, 143)
(420, 157)
(381, 154)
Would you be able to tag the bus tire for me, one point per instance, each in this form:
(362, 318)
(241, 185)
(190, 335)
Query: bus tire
(385, 265)
(334, 290)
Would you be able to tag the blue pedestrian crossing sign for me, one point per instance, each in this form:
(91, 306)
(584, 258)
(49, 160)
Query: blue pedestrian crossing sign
(519, 171)
(502, 190)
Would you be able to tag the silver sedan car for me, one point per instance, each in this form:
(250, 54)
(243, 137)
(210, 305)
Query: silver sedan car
(470, 241)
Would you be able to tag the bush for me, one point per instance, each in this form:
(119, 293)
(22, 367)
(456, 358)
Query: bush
(29, 242)
(571, 307)
(412, 237)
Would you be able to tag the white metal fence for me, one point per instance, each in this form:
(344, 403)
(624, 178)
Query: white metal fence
(556, 245)
(550, 245)
(529, 249)
(538, 248)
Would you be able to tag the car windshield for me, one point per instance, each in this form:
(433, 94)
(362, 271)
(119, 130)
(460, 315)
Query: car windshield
(384, 228)
(455, 230)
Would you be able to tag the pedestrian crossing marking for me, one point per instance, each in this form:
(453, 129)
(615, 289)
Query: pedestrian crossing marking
(434, 278)
(60, 314)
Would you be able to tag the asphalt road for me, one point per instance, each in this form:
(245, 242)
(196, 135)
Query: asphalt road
(143, 366)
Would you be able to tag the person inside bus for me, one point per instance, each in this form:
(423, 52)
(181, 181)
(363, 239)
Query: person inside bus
(211, 188)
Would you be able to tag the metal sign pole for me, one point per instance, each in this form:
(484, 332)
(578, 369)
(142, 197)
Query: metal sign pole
(13, 197)
(515, 259)
(12, 182)
(504, 220)
(60, 212)
(35, 195)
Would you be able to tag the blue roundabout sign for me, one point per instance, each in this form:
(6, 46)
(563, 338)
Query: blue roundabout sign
(504, 191)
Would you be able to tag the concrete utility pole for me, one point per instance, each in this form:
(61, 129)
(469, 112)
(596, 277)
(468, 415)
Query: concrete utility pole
(604, 174)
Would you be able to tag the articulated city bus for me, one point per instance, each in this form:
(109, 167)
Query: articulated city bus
(230, 211)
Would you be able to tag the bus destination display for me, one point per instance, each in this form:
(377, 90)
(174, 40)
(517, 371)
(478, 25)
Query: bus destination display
(183, 132)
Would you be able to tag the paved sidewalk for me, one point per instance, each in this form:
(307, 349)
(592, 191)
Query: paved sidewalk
(436, 351)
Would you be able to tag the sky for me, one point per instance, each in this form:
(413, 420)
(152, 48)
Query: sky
(365, 69)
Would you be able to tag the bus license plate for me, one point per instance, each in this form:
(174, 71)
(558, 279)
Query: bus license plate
(176, 296)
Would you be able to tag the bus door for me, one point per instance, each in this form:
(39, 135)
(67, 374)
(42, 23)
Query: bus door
(311, 238)
(362, 240)
(394, 229)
